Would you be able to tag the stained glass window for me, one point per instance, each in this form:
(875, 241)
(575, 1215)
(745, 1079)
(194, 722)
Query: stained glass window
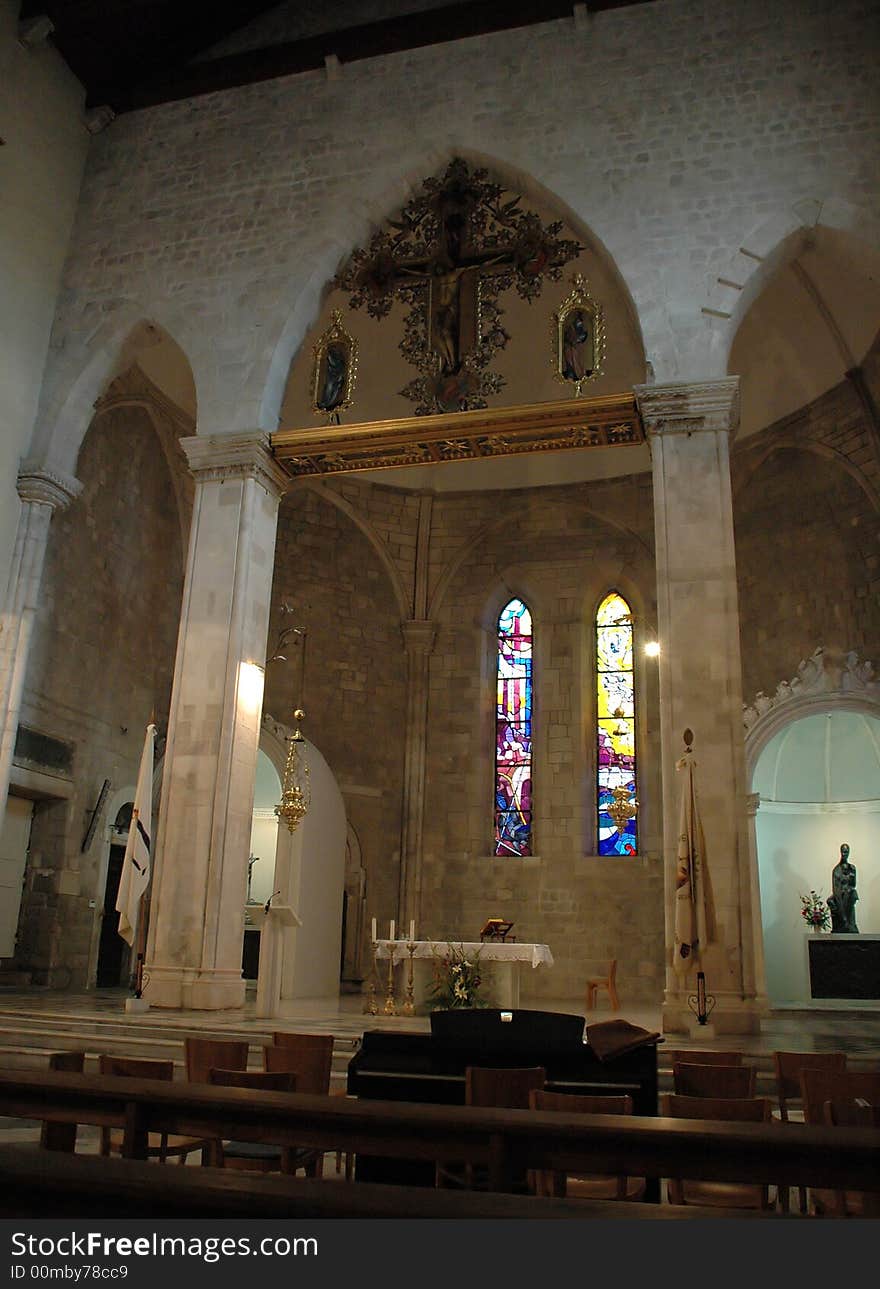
(616, 737)
(513, 732)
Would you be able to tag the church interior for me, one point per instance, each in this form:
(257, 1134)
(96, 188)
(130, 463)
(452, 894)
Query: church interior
(450, 436)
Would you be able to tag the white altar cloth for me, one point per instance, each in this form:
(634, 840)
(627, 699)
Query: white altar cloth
(509, 955)
(489, 950)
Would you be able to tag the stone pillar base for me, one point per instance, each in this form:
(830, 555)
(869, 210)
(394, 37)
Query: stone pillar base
(188, 990)
(728, 1016)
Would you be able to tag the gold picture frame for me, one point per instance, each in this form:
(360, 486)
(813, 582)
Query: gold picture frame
(578, 336)
(334, 371)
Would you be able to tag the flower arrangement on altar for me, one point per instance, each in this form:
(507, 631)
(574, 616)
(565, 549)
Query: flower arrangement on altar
(815, 912)
(457, 979)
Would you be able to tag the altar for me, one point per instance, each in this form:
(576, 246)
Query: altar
(505, 961)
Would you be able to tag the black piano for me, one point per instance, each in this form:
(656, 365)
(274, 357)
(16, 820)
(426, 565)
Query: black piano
(391, 1066)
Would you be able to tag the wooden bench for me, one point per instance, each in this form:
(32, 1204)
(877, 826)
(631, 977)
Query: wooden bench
(504, 1142)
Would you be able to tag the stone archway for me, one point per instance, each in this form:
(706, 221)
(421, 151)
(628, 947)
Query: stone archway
(812, 749)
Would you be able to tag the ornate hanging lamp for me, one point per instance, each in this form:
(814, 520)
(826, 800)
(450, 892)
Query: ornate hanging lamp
(296, 788)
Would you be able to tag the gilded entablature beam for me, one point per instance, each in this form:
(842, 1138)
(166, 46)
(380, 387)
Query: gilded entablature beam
(612, 420)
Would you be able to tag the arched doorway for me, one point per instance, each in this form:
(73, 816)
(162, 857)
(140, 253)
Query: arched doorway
(818, 776)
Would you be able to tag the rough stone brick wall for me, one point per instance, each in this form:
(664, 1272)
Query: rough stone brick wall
(822, 584)
(102, 662)
(551, 548)
(355, 668)
(675, 132)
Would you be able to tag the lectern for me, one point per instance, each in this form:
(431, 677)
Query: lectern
(274, 922)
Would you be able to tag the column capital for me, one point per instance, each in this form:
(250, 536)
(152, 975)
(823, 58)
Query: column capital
(689, 407)
(46, 486)
(753, 801)
(419, 636)
(217, 457)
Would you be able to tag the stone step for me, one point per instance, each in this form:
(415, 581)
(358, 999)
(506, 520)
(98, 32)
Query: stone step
(27, 1040)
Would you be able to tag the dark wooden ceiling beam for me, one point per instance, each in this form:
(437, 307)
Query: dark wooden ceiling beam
(130, 91)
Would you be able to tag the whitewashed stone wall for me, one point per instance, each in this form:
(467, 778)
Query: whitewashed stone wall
(675, 133)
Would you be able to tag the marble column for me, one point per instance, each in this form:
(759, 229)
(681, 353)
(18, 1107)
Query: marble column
(419, 637)
(42, 492)
(690, 428)
(193, 957)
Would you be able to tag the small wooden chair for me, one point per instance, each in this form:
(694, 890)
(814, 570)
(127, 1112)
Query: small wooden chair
(788, 1066)
(160, 1145)
(837, 1086)
(310, 1060)
(488, 1086)
(581, 1185)
(62, 1136)
(689, 1057)
(202, 1055)
(848, 1112)
(254, 1156)
(608, 982)
(718, 1194)
(713, 1080)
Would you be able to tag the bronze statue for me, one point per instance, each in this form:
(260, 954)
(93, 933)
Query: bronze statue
(842, 901)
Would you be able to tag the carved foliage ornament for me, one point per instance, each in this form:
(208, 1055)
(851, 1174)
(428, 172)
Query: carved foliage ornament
(826, 671)
(458, 244)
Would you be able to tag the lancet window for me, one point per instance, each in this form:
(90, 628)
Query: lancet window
(615, 733)
(513, 731)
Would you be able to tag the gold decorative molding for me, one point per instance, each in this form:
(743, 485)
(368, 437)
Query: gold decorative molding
(612, 420)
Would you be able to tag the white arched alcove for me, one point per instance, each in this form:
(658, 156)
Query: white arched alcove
(814, 758)
(309, 875)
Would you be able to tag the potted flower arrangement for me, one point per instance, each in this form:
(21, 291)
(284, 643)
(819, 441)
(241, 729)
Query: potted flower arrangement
(457, 979)
(815, 912)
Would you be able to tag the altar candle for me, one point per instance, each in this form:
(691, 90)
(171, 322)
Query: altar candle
(391, 930)
(412, 931)
(374, 930)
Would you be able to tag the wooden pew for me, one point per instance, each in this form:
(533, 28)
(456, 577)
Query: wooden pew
(504, 1142)
(36, 1182)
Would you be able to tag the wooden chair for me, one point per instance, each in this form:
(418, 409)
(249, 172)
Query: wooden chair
(717, 1193)
(608, 982)
(254, 1156)
(787, 1067)
(848, 1112)
(688, 1057)
(202, 1055)
(713, 1080)
(160, 1145)
(310, 1061)
(582, 1185)
(487, 1086)
(837, 1086)
(62, 1136)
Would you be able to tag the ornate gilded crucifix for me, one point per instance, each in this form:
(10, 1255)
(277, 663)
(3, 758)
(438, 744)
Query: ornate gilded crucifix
(456, 246)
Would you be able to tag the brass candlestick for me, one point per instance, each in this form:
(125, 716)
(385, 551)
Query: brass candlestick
(409, 1007)
(390, 1008)
(371, 1007)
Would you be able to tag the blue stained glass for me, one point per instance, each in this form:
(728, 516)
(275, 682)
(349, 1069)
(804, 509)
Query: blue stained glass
(616, 744)
(513, 732)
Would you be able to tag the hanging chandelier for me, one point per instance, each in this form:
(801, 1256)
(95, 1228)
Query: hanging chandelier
(296, 787)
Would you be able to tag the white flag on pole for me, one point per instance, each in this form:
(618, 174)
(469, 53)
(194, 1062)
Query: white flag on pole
(694, 906)
(135, 876)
